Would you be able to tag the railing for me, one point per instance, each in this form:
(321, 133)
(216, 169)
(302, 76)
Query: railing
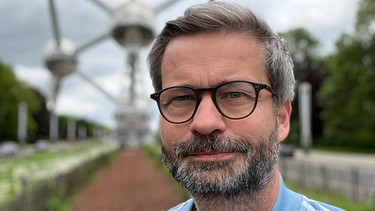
(355, 182)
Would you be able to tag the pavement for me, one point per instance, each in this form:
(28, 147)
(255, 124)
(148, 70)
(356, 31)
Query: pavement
(130, 183)
(344, 158)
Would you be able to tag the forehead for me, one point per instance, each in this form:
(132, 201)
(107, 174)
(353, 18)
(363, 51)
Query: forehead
(207, 59)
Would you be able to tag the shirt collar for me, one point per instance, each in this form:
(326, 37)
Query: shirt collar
(286, 199)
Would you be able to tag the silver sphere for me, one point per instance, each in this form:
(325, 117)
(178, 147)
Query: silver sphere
(60, 60)
(133, 25)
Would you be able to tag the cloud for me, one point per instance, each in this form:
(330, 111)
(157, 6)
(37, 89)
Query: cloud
(81, 101)
(34, 76)
(326, 20)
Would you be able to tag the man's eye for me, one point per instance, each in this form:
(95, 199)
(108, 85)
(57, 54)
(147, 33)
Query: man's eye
(236, 98)
(182, 98)
(234, 95)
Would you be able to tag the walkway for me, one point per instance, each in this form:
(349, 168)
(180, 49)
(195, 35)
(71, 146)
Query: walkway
(129, 183)
(334, 158)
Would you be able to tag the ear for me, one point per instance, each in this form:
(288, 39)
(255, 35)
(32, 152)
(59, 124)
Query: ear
(283, 120)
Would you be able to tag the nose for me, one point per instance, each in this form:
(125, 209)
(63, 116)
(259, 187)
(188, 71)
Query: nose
(207, 118)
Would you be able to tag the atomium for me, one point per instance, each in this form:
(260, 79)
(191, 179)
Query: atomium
(132, 27)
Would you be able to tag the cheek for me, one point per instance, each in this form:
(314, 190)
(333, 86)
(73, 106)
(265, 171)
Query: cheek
(254, 127)
(172, 134)
(248, 130)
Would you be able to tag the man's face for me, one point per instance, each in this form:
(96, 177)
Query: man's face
(211, 153)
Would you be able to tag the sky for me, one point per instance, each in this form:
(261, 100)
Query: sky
(26, 28)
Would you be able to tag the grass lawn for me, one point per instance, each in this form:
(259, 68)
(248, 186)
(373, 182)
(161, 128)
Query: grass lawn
(335, 199)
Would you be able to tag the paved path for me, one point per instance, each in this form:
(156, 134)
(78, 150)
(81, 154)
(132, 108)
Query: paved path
(344, 158)
(129, 183)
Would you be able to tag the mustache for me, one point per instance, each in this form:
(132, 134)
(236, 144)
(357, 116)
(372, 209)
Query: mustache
(211, 143)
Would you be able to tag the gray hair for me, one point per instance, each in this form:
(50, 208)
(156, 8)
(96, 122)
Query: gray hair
(223, 17)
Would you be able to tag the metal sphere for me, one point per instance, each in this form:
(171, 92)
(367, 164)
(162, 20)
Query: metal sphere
(133, 25)
(60, 59)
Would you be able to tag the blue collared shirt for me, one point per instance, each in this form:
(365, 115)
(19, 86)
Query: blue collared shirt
(287, 200)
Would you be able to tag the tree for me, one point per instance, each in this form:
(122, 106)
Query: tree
(365, 19)
(89, 125)
(42, 117)
(13, 92)
(304, 50)
(348, 93)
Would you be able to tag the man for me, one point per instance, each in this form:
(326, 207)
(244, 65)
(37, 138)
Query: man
(224, 85)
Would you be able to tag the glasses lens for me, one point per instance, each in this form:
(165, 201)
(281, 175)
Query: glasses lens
(236, 100)
(177, 104)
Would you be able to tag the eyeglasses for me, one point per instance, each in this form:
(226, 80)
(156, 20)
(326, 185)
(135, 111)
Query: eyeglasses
(234, 100)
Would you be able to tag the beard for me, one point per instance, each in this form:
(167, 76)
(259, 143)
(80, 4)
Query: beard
(247, 172)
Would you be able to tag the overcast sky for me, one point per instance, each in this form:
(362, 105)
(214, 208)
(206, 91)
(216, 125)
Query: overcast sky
(25, 27)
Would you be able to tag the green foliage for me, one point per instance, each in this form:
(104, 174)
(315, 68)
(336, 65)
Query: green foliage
(63, 126)
(365, 16)
(42, 118)
(12, 93)
(55, 203)
(348, 93)
(90, 126)
(304, 50)
(344, 104)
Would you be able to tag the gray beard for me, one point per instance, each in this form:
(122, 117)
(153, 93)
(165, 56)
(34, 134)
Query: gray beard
(246, 175)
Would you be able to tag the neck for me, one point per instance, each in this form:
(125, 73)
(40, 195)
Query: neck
(264, 199)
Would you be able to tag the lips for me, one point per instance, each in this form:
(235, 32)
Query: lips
(211, 148)
(210, 156)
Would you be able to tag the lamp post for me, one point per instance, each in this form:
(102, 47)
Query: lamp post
(304, 91)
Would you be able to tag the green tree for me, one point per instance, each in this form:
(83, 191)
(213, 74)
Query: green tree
(64, 121)
(304, 50)
(88, 125)
(41, 117)
(348, 93)
(365, 19)
(63, 126)
(14, 91)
